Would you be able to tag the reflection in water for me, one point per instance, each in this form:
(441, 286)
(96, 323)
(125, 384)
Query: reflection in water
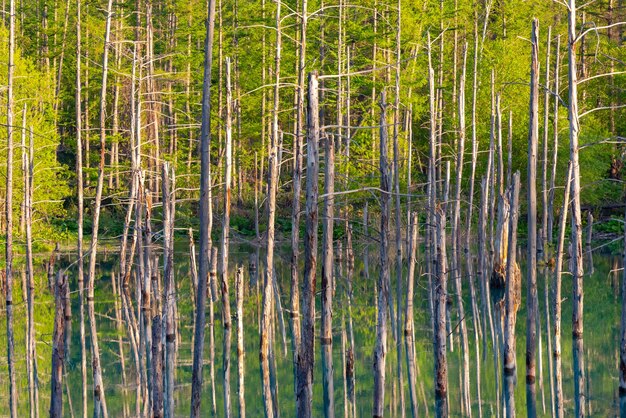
(116, 307)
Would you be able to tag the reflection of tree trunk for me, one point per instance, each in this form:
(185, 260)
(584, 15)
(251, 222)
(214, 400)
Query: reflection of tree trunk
(511, 304)
(441, 285)
(58, 347)
(409, 331)
(622, 346)
(558, 379)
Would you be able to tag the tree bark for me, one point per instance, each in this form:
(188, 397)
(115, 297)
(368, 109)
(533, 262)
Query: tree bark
(326, 337)
(531, 270)
(380, 350)
(226, 242)
(9, 218)
(205, 216)
(576, 240)
(511, 303)
(305, 357)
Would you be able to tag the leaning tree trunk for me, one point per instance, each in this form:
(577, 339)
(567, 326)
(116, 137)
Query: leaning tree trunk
(380, 350)
(205, 217)
(9, 219)
(100, 406)
(577, 227)
(305, 357)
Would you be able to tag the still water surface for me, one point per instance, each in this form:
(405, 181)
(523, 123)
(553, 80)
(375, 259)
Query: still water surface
(602, 328)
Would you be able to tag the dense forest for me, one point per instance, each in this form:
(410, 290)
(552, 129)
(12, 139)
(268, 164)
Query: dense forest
(460, 156)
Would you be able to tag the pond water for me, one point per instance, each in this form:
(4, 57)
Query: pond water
(602, 328)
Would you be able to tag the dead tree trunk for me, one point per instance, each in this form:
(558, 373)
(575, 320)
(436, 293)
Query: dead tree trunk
(456, 240)
(380, 350)
(531, 271)
(100, 406)
(305, 357)
(9, 218)
(511, 303)
(205, 216)
(555, 122)
(297, 190)
(326, 338)
(169, 310)
(272, 189)
(226, 242)
(577, 227)
(409, 331)
(31, 346)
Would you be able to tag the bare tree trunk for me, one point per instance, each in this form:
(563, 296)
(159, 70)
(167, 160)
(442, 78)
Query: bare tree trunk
(58, 347)
(441, 296)
(226, 242)
(273, 163)
(544, 158)
(558, 378)
(241, 352)
(398, 220)
(409, 331)
(169, 310)
(31, 346)
(326, 337)
(297, 190)
(577, 251)
(555, 121)
(205, 216)
(100, 406)
(9, 218)
(380, 350)
(511, 303)
(305, 357)
(531, 271)
(456, 240)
